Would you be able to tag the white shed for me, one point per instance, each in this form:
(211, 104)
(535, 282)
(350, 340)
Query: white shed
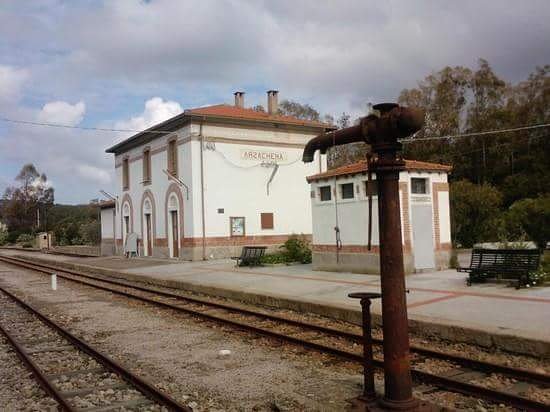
(339, 199)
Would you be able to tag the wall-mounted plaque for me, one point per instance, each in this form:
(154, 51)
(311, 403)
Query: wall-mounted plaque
(237, 226)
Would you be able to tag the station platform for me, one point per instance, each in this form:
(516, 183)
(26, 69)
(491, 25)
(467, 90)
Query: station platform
(439, 303)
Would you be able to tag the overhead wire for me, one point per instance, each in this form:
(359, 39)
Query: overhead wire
(474, 134)
(408, 140)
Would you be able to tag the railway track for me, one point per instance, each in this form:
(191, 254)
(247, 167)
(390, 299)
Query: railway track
(458, 373)
(72, 371)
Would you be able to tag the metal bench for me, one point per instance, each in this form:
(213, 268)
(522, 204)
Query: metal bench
(518, 265)
(250, 256)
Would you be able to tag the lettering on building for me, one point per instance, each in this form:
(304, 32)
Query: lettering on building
(263, 155)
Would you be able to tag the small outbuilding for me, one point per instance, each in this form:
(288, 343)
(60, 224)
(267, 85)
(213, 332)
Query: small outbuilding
(339, 199)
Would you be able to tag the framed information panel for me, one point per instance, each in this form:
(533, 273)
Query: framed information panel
(236, 226)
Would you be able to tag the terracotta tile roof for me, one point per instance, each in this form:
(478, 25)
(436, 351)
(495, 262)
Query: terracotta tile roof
(218, 111)
(361, 167)
(226, 110)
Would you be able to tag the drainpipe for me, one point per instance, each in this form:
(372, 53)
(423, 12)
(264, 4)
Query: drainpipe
(202, 195)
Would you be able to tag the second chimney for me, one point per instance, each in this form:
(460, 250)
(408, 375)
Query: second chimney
(272, 101)
(239, 99)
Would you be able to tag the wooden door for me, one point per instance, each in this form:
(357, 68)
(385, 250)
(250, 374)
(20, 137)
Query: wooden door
(149, 235)
(175, 237)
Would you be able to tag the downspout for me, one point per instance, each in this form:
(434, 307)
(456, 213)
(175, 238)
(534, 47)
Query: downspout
(202, 195)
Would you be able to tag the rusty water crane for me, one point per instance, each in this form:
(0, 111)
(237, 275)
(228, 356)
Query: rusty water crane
(382, 131)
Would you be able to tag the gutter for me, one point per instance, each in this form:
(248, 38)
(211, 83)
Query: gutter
(202, 193)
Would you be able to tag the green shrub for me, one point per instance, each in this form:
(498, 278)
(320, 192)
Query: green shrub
(89, 232)
(3, 236)
(534, 217)
(274, 258)
(475, 213)
(295, 249)
(26, 239)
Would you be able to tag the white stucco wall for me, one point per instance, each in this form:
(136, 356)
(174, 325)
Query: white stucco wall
(159, 182)
(239, 186)
(107, 228)
(231, 182)
(353, 213)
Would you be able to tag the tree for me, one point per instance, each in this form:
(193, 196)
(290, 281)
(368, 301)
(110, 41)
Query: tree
(28, 202)
(475, 210)
(534, 217)
(298, 110)
(3, 234)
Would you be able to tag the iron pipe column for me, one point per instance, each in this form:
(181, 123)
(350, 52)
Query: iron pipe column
(397, 374)
(381, 130)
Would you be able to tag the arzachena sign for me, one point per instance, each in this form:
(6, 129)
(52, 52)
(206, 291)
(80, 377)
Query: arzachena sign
(263, 155)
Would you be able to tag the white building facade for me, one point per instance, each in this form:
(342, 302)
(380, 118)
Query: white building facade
(210, 180)
(340, 200)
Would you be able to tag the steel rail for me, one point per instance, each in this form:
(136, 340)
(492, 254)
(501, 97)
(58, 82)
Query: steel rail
(145, 387)
(38, 374)
(525, 374)
(436, 380)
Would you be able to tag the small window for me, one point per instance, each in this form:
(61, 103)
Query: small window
(173, 157)
(371, 188)
(236, 226)
(125, 174)
(221, 211)
(266, 220)
(346, 191)
(419, 186)
(325, 193)
(147, 166)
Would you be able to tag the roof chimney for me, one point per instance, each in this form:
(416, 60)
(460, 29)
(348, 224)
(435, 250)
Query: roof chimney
(239, 99)
(272, 101)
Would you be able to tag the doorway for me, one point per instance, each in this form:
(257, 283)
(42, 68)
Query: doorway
(175, 237)
(423, 242)
(148, 236)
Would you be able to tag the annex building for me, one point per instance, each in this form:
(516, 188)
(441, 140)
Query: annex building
(211, 179)
(340, 201)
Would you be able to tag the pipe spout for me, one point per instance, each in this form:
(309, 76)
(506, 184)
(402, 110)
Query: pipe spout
(391, 123)
(329, 139)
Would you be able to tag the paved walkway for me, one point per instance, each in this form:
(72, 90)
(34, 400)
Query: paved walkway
(440, 298)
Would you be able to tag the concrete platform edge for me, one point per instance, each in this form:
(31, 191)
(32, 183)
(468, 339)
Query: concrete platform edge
(419, 326)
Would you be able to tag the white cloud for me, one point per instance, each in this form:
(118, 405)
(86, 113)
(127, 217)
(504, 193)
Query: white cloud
(11, 81)
(95, 174)
(62, 113)
(156, 110)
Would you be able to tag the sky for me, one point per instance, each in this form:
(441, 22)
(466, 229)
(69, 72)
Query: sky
(130, 64)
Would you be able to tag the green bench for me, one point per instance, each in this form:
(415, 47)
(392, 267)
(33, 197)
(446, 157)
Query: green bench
(517, 265)
(250, 256)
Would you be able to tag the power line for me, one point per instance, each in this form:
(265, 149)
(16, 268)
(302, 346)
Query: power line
(408, 140)
(456, 136)
(66, 126)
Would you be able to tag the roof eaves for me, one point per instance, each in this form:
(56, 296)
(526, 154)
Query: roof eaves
(172, 124)
(242, 119)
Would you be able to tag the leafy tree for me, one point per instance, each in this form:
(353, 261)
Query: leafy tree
(89, 232)
(534, 217)
(475, 210)
(24, 203)
(298, 110)
(3, 234)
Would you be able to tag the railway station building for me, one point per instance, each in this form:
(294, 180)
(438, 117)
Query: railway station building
(212, 179)
(339, 199)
